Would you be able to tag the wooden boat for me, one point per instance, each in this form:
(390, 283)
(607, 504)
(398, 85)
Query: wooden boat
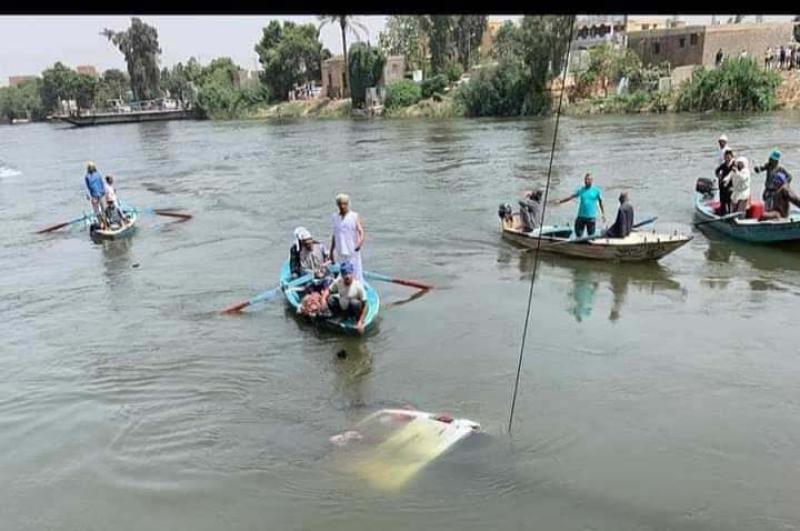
(392, 445)
(747, 229)
(115, 231)
(638, 246)
(291, 293)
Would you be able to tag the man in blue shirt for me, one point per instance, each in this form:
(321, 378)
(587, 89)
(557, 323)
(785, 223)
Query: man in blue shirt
(97, 191)
(589, 197)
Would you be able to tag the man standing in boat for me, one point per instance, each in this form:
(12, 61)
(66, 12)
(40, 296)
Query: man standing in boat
(348, 236)
(771, 183)
(589, 197)
(97, 192)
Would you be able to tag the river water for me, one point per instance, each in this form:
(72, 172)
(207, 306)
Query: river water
(656, 396)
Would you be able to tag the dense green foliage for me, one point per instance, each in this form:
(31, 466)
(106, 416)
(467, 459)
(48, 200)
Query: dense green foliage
(468, 31)
(402, 93)
(433, 85)
(290, 54)
(530, 56)
(215, 89)
(22, 101)
(139, 45)
(113, 85)
(366, 66)
(454, 71)
(495, 91)
(737, 85)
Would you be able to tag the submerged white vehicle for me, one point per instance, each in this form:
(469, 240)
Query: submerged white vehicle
(391, 446)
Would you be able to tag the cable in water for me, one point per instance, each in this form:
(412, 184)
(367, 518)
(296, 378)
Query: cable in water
(539, 240)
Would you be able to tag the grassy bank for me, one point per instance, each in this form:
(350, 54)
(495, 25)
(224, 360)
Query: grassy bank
(432, 108)
(323, 108)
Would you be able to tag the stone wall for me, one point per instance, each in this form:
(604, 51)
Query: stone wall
(752, 38)
(683, 46)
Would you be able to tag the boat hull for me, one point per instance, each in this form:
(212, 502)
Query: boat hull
(748, 230)
(124, 118)
(637, 247)
(115, 234)
(347, 326)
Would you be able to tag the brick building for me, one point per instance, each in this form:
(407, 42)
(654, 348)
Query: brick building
(333, 77)
(698, 45)
(13, 81)
(89, 70)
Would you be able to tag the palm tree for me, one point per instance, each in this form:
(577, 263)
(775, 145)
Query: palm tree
(345, 23)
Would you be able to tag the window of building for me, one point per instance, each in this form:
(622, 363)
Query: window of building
(656, 48)
(682, 42)
(693, 39)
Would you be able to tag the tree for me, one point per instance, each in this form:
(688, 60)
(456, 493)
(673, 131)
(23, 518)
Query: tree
(85, 89)
(506, 43)
(439, 37)
(113, 85)
(404, 36)
(218, 92)
(22, 101)
(58, 84)
(139, 45)
(345, 23)
(366, 66)
(468, 31)
(290, 55)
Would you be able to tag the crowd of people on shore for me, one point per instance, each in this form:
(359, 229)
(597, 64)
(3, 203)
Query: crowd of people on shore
(326, 294)
(782, 57)
(103, 198)
(734, 185)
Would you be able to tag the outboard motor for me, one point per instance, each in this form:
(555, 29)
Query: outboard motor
(705, 186)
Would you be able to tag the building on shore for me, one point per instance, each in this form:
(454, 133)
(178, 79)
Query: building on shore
(594, 30)
(334, 80)
(13, 81)
(698, 45)
(88, 70)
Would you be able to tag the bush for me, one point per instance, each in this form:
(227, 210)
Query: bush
(433, 85)
(737, 85)
(498, 91)
(454, 71)
(402, 93)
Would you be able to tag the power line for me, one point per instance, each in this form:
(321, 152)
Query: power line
(544, 209)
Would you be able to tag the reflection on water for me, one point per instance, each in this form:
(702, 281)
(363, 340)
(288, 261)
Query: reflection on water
(588, 276)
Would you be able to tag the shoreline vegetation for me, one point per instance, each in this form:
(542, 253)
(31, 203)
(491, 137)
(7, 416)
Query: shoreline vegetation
(520, 75)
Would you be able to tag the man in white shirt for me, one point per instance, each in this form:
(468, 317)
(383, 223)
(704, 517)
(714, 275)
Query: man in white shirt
(347, 296)
(348, 235)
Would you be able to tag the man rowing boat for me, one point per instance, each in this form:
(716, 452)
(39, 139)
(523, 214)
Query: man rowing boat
(348, 236)
(97, 192)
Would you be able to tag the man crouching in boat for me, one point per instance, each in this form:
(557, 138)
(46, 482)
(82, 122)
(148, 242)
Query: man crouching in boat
(623, 225)
(530, 210)
(781, 199)
(347, 296)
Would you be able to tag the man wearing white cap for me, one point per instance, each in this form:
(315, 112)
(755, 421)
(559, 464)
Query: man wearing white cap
(348, 236)
(723, 143)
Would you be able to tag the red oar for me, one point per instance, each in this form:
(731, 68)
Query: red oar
(413, 283)
(60, 225)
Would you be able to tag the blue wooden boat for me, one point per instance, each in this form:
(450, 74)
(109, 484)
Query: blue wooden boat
(348, 326)
(747, 229)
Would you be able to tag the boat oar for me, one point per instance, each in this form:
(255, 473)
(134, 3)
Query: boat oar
(403, 282)
(721, 218)
(603, 234)
(60, 225)
(264, 295)
(169, 212)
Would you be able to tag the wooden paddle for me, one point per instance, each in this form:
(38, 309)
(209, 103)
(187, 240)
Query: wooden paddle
(265, 295)
(60, 225)
(403, 282)
(721, 218)
(603, 235)
(158, 212)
